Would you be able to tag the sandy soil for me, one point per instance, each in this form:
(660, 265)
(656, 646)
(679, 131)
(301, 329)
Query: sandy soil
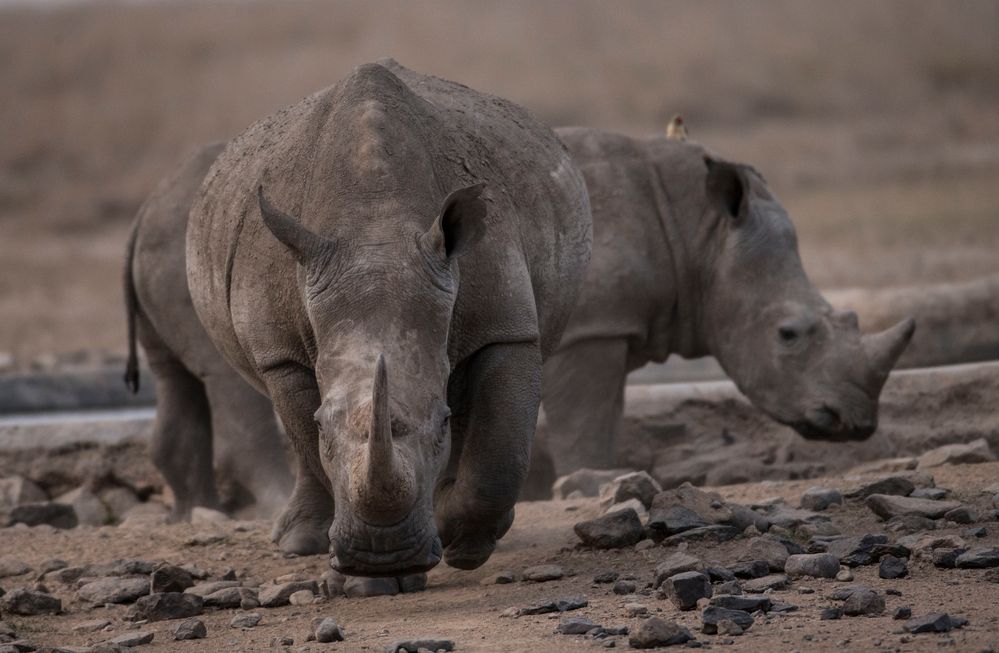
(458, 607)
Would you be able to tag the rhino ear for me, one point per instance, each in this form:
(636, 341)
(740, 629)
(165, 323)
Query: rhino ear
(727, 187)
(461, 223)
(304, 244)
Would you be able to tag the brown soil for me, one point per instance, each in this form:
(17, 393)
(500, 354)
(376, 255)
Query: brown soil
(458, 607)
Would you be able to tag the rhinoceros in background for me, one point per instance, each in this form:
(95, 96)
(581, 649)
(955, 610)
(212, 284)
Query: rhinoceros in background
(200, 400)
(399, 321)
(693, 255)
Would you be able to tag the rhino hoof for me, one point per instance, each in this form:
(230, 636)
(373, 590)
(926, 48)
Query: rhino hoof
(472, 555)
(303, 540)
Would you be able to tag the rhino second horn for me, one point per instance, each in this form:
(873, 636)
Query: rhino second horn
(884, 349)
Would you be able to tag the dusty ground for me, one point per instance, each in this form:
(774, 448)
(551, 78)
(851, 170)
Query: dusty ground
(874, 122)
(458, 607)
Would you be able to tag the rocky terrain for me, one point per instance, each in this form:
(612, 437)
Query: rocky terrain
(900, 556)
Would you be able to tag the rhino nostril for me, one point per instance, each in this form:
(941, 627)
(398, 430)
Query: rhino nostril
(828, 417)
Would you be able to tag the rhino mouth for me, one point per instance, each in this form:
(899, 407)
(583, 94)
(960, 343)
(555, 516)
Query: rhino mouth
(364, 550)
(827, 423)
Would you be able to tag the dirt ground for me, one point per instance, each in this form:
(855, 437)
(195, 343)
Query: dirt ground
(874, 122)
(457, 607)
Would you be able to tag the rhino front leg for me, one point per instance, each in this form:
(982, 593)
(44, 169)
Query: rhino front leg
(494, 399)
(583, 396)
(303, 527)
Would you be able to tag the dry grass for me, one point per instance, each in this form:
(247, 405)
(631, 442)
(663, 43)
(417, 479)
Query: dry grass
(874, 121)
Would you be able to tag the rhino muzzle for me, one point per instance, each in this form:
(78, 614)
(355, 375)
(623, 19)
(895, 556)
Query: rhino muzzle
(360, 549)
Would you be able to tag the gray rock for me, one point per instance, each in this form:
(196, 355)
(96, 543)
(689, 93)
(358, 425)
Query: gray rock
(91, 626)
(901, 612)
(585, 481)
(248, 620)
(624, 587)
(564, 604)
(543, 573)
(274, 596)
(113, 590)
(89, 509)
(302, 597)
(831, 614)
(977, 451)
(676, 563)
(49, 512)
(864, 602)
(29, 603)
(743, 518)
(190, 629)
(977, 531)
(166, 605)
(205, 589)
(684, 589)
(611, 531)
(506, 577)
(887, 506)
(978, 559)
(654, 632)
(231, 597)
(890, 485)
(892, 567)
(635, 485)
(18, 490)
(414, 645)
(671, 520)
(909, 524)
(714, 533)
(783, 515)
(328, 630)
(750, 569)
(817, 565)
(168, 578)
(935, 622)
(844, 575)
(118, 500)
(769, 549)
(714, 614)
(11, 567)
(127, 567)
(135, 638)
(719, 574)
(745, 603)
(820, 498)
(961, 515)
(575, 626)
(728, 587)
(771, 582)
(709, 506)
(858, 550)
(934, 493)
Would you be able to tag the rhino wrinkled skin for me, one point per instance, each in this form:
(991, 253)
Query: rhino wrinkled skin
(695, 256)
(391, 260)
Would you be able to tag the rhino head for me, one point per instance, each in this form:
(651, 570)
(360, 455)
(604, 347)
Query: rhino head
(380, 310)
(802, 362)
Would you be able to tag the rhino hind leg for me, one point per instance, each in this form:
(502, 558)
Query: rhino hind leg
(249, 450)
(182, 434)
(583, 397)
(495, 399)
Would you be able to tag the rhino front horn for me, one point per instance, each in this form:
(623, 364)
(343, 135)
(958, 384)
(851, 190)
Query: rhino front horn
(884, 349)
(380, 446)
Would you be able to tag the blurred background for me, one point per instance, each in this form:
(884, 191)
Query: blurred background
(875, 122)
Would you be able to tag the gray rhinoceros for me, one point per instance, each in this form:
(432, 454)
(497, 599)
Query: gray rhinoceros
(202, 406)
(693, 255)
(391, 260)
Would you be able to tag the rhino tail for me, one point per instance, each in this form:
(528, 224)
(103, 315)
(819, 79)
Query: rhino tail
(131, 312)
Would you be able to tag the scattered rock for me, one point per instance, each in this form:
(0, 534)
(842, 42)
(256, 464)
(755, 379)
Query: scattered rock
(676, 563)
(978, 559)
(12, 567)
(415, 645)
(636, 609)
(624, 587)
(274, 596)
(829, 614)
(820, 498)
(205, 589)
(671, 520)
(713, 615)
(543, 573)
(575, 626)
(977, 531)
(301, 597)
(714, 533)
(728, 587)
(706, 505)
(750, 569)
(745, 603)
(586, 482)
(769, 549)
(28, 603)
(864, 602)
(655, 632)
(54, 514)
(91, 626)
(935, 622)
(771, 582)
(818, 565)
(168, 578)
(887, 506)
(946, 558)
(744, 518)
(611, 531)
(977, 451)
(885, 466)
(231, 597)
(18, 490)
(910, 524)
(934, 493)
(166, 605)
(113, 590)
(901, 612)
(718, 574)
(783, 515)
(89, 509)
(248, 620)
(190, 629)
(565, 604)
(136, 638)
(961, 515)
(684, 589)
(636, 485)
(844, 575)
(506, 577)
(604, 577)
(888, 485)
(328, 630)
(892, 567)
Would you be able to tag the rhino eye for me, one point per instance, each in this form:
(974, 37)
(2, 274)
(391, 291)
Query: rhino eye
(787, 334)
(445, 425)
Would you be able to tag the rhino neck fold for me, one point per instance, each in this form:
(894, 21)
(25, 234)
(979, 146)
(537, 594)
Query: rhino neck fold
(680, 320)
